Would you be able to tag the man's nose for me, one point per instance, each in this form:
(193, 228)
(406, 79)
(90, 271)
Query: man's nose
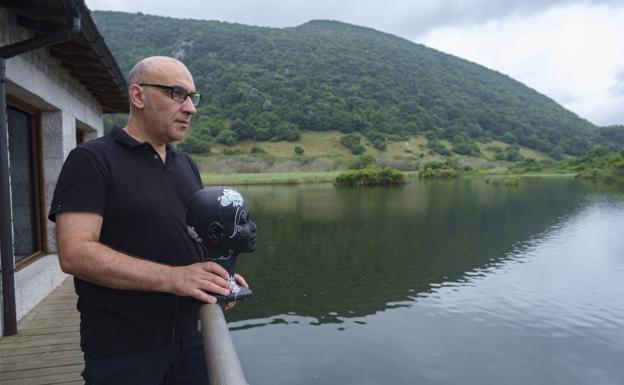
(188, 107)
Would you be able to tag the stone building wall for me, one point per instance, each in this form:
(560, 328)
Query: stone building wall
(37, 79)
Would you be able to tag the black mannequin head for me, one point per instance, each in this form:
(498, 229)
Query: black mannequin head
(219, 218)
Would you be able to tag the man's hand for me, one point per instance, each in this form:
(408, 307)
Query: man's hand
(241, 282)
(197, 279)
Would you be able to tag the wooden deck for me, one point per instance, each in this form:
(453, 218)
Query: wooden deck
(46, 349)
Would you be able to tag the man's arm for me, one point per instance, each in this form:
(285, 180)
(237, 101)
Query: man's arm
(82, 255)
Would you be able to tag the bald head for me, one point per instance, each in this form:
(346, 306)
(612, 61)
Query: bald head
(143, 71)
(155, 113)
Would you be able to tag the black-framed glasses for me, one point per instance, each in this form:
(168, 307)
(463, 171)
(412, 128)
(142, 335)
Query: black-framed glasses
(179, 94)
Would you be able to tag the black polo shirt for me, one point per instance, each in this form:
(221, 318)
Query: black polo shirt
(142, 202)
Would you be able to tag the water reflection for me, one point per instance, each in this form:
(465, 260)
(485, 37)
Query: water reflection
(455, 283)
(352, 251)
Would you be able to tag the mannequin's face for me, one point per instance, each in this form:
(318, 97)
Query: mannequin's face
(239, 231)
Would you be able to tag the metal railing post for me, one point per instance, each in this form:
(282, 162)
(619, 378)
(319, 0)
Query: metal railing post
(223, 365)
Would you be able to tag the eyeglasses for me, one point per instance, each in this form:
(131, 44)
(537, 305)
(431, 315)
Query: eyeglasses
(179, 94)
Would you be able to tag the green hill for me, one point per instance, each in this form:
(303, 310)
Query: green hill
(269, 84)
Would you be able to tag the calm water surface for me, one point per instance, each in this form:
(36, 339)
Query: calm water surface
(435, 283)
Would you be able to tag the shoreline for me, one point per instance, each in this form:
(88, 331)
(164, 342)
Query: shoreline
(295, 178)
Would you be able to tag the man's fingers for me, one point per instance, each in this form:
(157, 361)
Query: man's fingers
(202, 296)
(241, 281)
(212, 287)
(189, 280)
(215, 268)
(217, 280)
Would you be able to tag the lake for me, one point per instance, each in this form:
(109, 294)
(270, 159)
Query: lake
(444, 282)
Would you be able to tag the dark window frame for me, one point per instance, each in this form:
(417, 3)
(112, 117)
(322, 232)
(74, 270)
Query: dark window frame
(36, 172)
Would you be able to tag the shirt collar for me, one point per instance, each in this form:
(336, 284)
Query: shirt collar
(122, 137)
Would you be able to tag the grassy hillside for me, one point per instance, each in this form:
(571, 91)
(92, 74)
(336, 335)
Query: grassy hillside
(323, 155)
(277, 83)
(327, 143)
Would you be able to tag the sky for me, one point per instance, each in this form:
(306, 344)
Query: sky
(570, 50)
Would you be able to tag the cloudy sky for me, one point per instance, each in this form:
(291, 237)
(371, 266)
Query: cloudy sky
(569, 50)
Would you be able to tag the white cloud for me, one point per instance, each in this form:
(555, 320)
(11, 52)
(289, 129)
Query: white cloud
(618, 87)
(572, 53)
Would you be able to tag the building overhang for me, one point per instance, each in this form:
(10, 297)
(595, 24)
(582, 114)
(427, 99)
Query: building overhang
(86, 57)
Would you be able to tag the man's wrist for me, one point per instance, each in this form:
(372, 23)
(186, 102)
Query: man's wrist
(166, 283)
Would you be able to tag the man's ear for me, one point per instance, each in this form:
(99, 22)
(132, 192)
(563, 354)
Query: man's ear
(215, 231)
(137, 97)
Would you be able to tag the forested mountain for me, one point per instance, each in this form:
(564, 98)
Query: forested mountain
(270, 83)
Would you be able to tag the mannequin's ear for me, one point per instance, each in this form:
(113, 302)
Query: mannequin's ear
(215, 231)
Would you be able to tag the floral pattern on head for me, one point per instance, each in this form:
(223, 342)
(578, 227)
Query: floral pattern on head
(230, 197)
(234, 198)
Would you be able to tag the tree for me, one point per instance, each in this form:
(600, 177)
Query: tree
(352, 143)
(227, 136)
(377, 139)
(194, 145)
(596, 152)
(512, 153)
(242, 129)
(440, 149)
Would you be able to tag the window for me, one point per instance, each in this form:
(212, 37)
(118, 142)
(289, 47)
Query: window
(80, 136)
(25, 196)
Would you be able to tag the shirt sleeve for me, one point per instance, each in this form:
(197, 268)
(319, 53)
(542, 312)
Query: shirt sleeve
(195, 168)
(81, 186)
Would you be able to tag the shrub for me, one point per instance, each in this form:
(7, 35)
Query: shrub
(377, 139)
(194, 145)
(352, 143)
(495, 149)
(528, 165)
(400, 163)
(232, 151)
(370, 177)
(227, 136)
(466, 148)
(257, 150)
(596, 152)
(362, 161)
(441, 173)
(439, 148)
(509, 182)
(299, 150)
(443, 170)
(511, 154)
(262, 133)
(288, 131)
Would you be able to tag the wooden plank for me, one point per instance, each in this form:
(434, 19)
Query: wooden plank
(63, 314)
(36, 342)
(43, 330)
(62, 378)
(40, 372)
(40, 357)
(39, 349)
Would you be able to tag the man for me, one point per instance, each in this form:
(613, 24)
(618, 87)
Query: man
(119, 205)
